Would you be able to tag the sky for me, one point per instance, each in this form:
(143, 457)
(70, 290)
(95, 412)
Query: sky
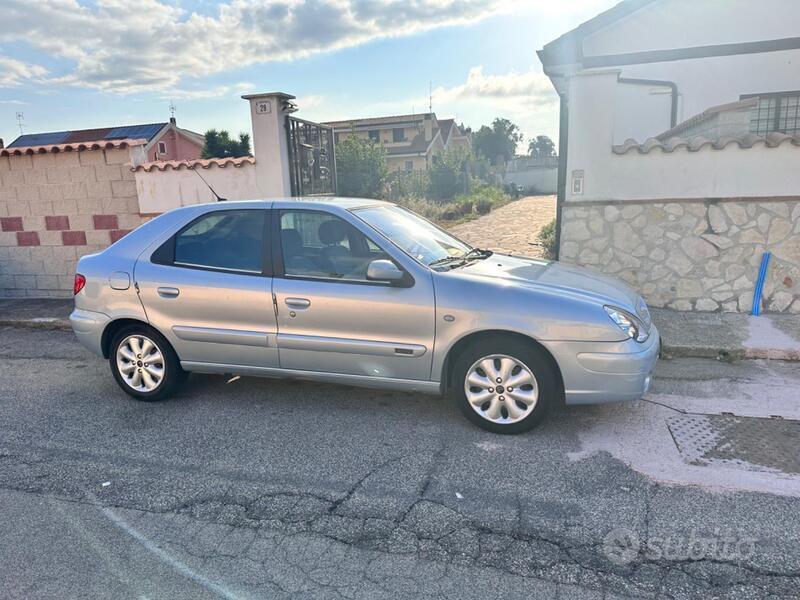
(74, 64)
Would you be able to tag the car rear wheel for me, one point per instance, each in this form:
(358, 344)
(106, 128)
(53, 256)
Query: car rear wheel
(504, 385)
(145, 365)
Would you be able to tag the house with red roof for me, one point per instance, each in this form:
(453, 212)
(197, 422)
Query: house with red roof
(162, 141)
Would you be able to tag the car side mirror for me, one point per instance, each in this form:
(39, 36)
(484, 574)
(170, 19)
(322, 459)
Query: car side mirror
(384, 270)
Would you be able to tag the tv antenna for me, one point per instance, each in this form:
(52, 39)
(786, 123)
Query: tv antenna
(172, 110)
(430, 96)
(20, 119)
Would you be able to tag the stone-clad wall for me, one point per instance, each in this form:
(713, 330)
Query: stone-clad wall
(691, 254)
(56, 207)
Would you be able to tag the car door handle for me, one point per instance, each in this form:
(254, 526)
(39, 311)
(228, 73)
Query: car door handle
(168, 292)
(297, 302)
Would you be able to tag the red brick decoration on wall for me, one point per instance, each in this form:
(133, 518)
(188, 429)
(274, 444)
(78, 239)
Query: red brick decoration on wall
(105, 222)
(56, 223)
(28, 238)
(117, 234)
(73, 238)
(11, 223)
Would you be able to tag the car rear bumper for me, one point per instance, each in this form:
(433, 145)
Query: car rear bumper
(616, 373)
(88, 327)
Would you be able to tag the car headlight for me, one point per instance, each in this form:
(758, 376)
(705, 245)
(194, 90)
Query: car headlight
(629, 324)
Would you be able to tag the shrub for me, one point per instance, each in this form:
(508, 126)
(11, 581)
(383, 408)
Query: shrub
(360, 168)
(448, 174)
(547, 240)
(483, 205)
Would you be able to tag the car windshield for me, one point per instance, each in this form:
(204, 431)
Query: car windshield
(414, 235)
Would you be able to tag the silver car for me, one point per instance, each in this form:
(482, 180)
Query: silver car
(364, 293)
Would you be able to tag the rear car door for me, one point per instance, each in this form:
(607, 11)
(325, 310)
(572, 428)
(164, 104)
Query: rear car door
(331, 318)
(208, 289)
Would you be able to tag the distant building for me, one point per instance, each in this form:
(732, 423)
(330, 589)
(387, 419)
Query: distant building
(411, 141)
(164, 141)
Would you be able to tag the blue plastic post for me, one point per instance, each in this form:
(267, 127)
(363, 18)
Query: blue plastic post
(762, 276)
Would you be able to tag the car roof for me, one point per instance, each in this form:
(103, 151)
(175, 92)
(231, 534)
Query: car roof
(306, 201)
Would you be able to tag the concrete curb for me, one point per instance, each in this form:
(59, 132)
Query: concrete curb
(47, 323)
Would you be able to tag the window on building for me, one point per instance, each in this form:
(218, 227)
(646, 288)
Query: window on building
(375, 135)
(398, 135)
(409, 165)
(162, 147)
(775, 112)
(230, 240)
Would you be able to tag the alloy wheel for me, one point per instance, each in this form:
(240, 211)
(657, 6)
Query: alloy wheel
(140, 363)
(501, 389)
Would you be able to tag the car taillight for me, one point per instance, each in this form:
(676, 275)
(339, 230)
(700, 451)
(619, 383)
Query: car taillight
(80, 281)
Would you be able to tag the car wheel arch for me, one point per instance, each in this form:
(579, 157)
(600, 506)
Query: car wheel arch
(461, 344)
(115, 326)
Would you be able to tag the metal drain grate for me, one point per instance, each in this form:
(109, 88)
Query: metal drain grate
(744, 442)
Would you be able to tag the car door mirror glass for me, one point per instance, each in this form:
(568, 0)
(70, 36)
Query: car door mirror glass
(384, 270)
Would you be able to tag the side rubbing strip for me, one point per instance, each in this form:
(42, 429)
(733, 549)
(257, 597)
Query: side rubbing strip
(222, 336)
(348, 346)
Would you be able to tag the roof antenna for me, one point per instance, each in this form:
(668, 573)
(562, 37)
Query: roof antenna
(194, 168)
(430, 96)
(172, 112)
(20, 119)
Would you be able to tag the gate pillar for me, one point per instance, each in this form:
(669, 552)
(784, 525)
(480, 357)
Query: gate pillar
(268, 113)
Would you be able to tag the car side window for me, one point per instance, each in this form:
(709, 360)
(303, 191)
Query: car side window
(318, 244)
(229, 240)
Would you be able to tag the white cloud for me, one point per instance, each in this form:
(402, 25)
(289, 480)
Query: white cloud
(13, 72)
(129, 46)
(530, 86)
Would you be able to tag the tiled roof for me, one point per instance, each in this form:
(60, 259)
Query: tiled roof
(126, 132)
(176, 165)
(445, 125)
(412, 118)
(73, 147)
(771, 140)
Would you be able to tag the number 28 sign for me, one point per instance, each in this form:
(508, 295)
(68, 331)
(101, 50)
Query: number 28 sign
(263, 107)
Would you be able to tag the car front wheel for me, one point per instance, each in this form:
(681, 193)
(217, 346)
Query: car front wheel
(145, 365)
(504, 385)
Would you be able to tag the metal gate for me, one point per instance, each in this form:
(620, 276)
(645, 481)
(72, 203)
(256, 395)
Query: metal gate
(312, 164)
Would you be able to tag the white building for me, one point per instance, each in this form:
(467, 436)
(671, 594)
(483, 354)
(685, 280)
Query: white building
(680, 148)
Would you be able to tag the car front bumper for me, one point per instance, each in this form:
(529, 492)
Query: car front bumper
(598, 372)
(88, 327)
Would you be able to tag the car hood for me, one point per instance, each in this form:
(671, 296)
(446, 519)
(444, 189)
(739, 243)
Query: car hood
(554, 276)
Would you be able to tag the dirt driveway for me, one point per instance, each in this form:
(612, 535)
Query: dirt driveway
(511, 229)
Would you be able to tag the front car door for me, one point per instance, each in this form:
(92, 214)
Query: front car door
(331, 318)
(208, 290)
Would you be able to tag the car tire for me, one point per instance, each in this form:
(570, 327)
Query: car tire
(480, 380)
(152, 374)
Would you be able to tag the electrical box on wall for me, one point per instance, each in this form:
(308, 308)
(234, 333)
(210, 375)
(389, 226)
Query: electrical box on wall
(577, 183)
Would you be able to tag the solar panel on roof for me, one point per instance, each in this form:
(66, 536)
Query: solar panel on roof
(134, 132)
(39, 139)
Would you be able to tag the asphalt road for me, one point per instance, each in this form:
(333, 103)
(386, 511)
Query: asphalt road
(279, 489)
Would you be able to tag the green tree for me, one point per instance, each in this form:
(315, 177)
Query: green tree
(360, 168)
(448, 174)
(220, 144)
(541, 146)
(498, 141)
